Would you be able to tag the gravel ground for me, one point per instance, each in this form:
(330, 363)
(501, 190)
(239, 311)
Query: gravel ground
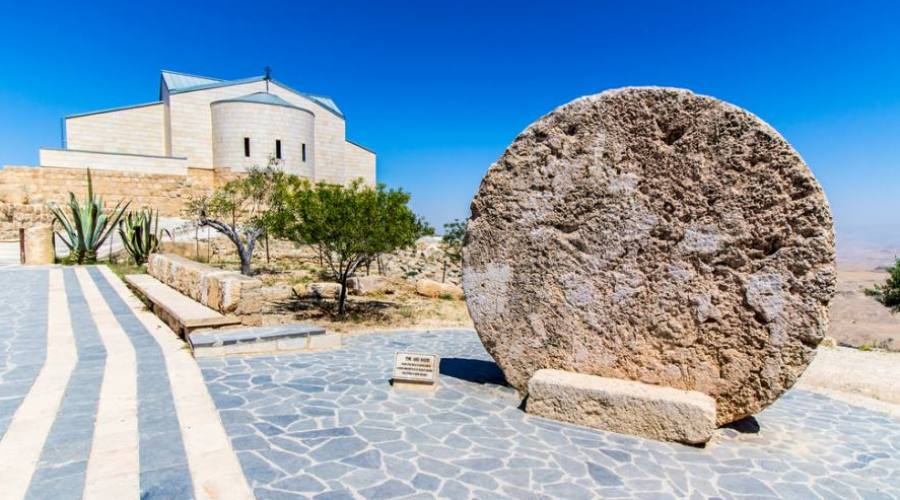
(863, 378)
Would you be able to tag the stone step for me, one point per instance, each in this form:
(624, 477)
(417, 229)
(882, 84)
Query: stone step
(262, 339)
(181, 313)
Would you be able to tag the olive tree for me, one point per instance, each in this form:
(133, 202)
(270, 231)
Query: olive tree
(241, 209)
(349, 225)
(889, 292)
(452, 241)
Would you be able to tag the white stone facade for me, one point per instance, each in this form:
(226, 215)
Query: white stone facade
(137, 163)
(203, 123)
(136, 130)
(245, 134)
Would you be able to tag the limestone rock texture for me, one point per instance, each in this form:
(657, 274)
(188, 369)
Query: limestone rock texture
(436, 289)
(655, 235)
(320, 290)
(39, 245)
(368, 285)
(622, 406)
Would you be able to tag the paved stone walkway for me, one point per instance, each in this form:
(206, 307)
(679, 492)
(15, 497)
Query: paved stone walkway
(327, 425)
(98, 399)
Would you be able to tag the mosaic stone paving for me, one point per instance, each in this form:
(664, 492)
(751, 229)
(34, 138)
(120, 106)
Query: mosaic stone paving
(328, 425)
(23, 342)
(63, 462)
(87, 409)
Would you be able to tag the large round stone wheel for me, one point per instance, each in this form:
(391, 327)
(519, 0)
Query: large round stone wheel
(655, 235)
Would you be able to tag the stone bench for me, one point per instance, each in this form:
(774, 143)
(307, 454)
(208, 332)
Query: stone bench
(181, 313)
(262, 339)
(225, 291)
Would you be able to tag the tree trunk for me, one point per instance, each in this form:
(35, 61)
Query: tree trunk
(444, 273)
(342, 299)
(246, 250)
(245, 261)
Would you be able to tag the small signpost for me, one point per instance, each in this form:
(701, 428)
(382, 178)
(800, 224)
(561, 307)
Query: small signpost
(416, 371)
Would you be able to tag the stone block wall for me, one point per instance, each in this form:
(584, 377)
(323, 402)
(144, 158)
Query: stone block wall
(220, 290)
(191, 135)
(137, 129)
(360, 162)
(26, 191)
(263, 124)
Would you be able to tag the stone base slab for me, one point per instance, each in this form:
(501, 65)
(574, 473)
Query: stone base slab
(622, 406)
(414, 386)
(259, 340)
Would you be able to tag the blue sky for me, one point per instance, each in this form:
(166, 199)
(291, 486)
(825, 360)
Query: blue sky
(439, 89)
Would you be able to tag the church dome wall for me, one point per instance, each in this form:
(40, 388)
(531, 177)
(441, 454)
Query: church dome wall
(248, 131)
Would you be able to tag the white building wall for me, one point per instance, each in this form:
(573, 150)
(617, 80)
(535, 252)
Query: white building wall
(191, 131)
(181, 126)
(146, 164)
(191, 120)
(330, 137)
(167, 122)
(360, 163)
(263, 124)
(137, 130)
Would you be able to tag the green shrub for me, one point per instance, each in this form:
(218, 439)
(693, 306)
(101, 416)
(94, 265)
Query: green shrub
(349, 225)
(888, 293)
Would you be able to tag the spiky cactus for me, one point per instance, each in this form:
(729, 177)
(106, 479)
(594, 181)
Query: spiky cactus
(140, 234)
(86, 226)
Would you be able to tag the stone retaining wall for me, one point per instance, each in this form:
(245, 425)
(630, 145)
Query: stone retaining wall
(25, 191)
(223, 291)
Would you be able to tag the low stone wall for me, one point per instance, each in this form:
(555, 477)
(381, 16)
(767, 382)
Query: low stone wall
(26, 191)
(16, 215)
(223, 291)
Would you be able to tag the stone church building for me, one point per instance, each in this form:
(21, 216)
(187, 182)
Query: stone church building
(207, 123)
(199, 134)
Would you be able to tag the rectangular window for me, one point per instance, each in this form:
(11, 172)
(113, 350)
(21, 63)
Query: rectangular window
(303, 150)
(247, 147)
(278, 149)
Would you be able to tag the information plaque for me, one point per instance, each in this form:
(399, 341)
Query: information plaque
(416, 369)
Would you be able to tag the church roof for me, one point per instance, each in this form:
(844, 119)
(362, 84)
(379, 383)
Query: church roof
(263, 98)
(178, 81)
(182, 82)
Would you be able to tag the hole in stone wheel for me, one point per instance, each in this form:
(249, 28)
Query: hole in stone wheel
(672, 135)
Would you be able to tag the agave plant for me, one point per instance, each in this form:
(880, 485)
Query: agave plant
(86, 226)
(140, 234)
